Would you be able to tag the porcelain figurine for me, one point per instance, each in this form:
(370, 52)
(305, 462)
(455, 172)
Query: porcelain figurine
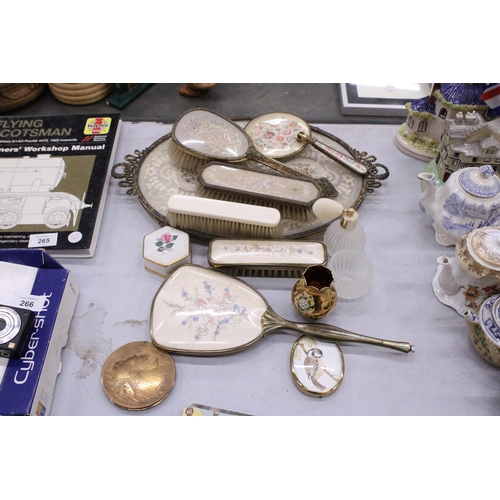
(468, 200)
(484, 329)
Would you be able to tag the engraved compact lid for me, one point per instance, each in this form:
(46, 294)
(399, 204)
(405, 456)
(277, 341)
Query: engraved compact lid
(138, 376)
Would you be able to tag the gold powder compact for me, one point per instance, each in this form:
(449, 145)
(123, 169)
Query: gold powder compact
(138, 376)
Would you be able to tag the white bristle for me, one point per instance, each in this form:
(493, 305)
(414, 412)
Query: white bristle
(292, 197)
(287, 211)
(183, 160)
(223, 218)
(326, 208)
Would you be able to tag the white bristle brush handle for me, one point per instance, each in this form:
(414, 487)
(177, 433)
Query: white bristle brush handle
(326, 208)
(224, 210)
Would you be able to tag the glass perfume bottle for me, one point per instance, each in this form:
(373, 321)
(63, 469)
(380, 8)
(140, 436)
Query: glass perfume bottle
(345, 233)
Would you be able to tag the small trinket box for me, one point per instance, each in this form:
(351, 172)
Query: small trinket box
(166, 249)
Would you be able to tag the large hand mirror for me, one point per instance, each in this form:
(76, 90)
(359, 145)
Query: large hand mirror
(201, 311)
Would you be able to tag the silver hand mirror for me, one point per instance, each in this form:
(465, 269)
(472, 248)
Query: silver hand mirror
(208, 135)
(201, 311)
(281, 135)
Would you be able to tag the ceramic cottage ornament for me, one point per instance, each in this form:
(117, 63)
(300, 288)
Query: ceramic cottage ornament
(419, 135)
(469, 199)
(469, 140)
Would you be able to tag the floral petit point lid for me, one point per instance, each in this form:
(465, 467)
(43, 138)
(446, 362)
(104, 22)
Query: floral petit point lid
(166, 246)
(481, 182)
(484, 246)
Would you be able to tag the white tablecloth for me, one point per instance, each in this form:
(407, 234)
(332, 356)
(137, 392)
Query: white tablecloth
(444, 376)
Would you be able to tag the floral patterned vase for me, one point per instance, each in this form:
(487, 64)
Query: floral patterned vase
(314, 295)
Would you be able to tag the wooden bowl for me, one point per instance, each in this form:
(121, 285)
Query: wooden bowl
(15, 95)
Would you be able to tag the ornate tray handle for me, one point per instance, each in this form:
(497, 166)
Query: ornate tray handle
(376, 171)
(129, 169)
(373, 168)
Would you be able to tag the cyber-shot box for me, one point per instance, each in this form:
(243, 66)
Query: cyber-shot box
(32, 279)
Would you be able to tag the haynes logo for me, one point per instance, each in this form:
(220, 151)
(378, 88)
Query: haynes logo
(97, 126)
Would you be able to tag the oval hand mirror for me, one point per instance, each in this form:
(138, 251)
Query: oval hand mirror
(280, 135)
(208, 135)
(201, 311)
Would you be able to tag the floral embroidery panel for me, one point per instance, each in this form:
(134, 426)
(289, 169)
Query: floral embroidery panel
(208, 312)
(211, 135)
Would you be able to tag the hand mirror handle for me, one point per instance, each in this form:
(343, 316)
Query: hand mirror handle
(271, 322)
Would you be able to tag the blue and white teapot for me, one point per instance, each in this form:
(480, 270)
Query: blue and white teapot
(468, 200)
(484, 330)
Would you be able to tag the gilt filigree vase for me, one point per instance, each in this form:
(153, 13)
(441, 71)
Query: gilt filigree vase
(314, 295)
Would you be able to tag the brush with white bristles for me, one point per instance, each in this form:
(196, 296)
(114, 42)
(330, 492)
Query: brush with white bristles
(223, 218)
(183, 160)
(189, 162)
(294, 198)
